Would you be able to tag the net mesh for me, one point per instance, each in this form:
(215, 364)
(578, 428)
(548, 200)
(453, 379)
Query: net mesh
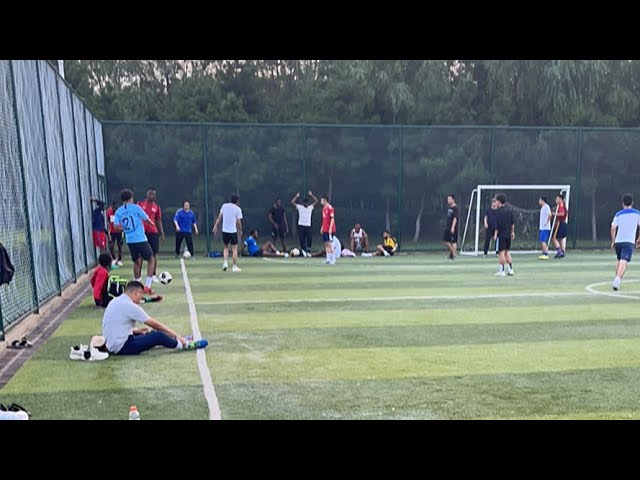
(84, 204)
(18, 297)
(36, 176)
(55, 155)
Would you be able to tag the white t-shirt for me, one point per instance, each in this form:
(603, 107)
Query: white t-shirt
(545, 223)
(358, 236)
(627, 221)
(119, 320)
(304, 213)
(337, 247)
(230, 214)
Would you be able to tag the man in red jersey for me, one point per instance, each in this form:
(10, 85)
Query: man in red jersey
(328, 229)
(560, 228)
(115, 236)
(153, 232)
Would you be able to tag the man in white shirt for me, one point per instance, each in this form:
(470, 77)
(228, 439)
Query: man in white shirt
(359, 239)
(231, 218)
(545, 227)
(624, 228)
(120, 332)
(304, 221)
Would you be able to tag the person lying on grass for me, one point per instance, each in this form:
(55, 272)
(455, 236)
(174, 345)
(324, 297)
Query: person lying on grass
(120, 332)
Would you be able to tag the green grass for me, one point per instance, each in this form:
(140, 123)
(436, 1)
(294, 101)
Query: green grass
(381, 338)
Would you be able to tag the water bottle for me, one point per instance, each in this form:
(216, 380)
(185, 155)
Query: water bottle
(20, 415)
(133, 413)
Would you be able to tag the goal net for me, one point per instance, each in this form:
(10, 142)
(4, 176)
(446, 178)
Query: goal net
(523, 200)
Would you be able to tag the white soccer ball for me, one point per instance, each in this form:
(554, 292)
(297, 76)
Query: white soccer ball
(186, 254)
(165, 278)
(295, 252)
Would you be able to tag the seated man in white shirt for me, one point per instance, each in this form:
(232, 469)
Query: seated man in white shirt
(359, 239)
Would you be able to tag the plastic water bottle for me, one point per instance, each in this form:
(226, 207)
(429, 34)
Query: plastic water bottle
(21, 415)
(133, 413)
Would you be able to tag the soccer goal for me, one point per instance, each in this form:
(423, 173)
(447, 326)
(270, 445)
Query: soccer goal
(523, 200)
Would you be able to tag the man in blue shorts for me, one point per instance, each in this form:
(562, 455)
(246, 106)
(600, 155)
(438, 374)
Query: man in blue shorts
(623, 236)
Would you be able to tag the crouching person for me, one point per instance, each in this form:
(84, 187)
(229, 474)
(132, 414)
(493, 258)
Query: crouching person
(120, 332)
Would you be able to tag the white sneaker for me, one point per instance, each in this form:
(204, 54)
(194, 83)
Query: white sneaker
(114, 263)
(77, 352)
(225, 266)
(286, 255)
(236, 268)
(278, 252)
(501, 274)
(616, 283)
(366, 255)
(327, 261)
(510, 272)
(119, 263)
(386, 254)
(94, 355)
(155, 279)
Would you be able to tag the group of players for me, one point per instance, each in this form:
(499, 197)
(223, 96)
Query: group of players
(141, 223)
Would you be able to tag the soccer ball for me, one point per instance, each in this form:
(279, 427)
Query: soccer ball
(165, 278)
(295, 252)
(186, 254)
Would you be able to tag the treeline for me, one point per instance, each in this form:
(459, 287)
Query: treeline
(383, 177)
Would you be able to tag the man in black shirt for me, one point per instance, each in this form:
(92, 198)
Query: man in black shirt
(450, 236)
(279, 222)
(504, 233)
(490, 225)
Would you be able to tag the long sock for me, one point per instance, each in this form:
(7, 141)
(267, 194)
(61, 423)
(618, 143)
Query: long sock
(179, 346)
(511, 266)
(148, 282)
(501, 268)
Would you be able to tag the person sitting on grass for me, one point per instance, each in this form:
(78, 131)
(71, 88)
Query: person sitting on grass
(268, 249)
(99, 280)
(388, 248)
(120, 332)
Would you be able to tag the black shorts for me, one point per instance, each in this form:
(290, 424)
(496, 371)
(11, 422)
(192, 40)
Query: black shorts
(562, 231)
(278, 232)
(154, 242)
(259, 253)
(504, 243)
(449, 237)
(140, 249)
(116, 238)
(388, 249)
(229, 238)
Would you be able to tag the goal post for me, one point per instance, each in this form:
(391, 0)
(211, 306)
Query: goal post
(477, 199)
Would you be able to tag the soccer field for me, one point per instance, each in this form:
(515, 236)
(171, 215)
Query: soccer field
(407, 337)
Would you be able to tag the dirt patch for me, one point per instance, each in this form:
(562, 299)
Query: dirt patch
(38, 327)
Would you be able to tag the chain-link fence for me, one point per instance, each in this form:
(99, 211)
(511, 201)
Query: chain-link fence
(51, 163)
(394, 177)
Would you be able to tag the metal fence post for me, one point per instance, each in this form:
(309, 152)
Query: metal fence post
(64, 172)
(75, 141)
(492, 174)
(577, 194)
(24, 190)
(401, 138)
(206, 187)
(46, 157)
(303, 155)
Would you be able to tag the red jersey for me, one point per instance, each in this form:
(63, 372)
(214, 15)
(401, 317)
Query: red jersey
(327, 214)
(99, 282)
(111, 215)
(152, 209)
(561, 216)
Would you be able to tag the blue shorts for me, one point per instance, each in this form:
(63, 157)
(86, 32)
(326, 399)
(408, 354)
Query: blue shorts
(624, 251)
(325, 237)
(544, 236)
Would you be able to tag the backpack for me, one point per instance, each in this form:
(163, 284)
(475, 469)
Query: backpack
(115, 288)
(7, 269)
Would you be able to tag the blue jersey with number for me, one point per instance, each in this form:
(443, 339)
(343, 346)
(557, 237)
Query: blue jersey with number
(130, 217)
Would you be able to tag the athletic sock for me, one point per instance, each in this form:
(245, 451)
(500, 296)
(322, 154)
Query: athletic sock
(511, 266)
(179, 346)
(148, 282)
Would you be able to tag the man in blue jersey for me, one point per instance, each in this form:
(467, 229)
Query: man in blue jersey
(624, 237)
(185, 222)
(268, 249)
(129, 219)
